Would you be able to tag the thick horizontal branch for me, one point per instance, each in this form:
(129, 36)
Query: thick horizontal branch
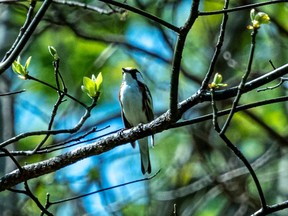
(254, 84)
(158, 125)
(249, 86)
(44, 167)
(273, 208)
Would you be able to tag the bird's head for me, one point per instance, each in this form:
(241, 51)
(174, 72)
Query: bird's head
(130, 74)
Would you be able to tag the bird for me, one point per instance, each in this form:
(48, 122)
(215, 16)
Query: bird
(136, 108)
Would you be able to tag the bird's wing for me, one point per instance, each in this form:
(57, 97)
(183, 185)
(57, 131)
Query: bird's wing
(147, 105)
(147, 101)
(126, 123)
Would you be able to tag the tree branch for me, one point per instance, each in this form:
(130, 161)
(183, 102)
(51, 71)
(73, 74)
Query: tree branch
(22, 42)
(176, 65)
(142, 13)
(217, 50)
(244, 7)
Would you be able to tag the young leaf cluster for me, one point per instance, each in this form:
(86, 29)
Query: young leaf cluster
(91, 86)
(21, 70)
(217, 82)
(258, 19)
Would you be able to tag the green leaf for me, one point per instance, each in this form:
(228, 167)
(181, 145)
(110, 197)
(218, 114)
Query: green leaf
(258, 19)
(262, 18)
(217, 78)
(252, 14)
(89, 85)
(20, 69)
(18, 59)
(27, 63)
(217, 82)
(99, 81)
(53, 52)
(15, 67)
(92, 86)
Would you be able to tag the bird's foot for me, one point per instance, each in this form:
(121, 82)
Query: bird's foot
(140, 126)
(120, 132)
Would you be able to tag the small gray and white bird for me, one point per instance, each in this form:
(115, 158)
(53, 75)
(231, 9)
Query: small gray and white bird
(136, 107)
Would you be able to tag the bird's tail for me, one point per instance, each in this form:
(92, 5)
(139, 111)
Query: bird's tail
(144, 154)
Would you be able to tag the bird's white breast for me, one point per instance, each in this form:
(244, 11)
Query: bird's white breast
(132, 103)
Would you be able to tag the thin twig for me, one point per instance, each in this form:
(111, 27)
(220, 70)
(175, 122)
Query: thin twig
(36, 200)
(12, 93)
(78, 141)
(215, 112)
(217, 50)
(243, 81)
(49, 203)
(88, 7)
(63, 145)
(22, 29)
(27, 190)
(23, 41)
(238, 8)
(58, 90)
(238, 153)
(143, 13)
(222, 131)
(271, 63)
(57, 104)
(282, 80)
(12, 158)
(53, 132)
